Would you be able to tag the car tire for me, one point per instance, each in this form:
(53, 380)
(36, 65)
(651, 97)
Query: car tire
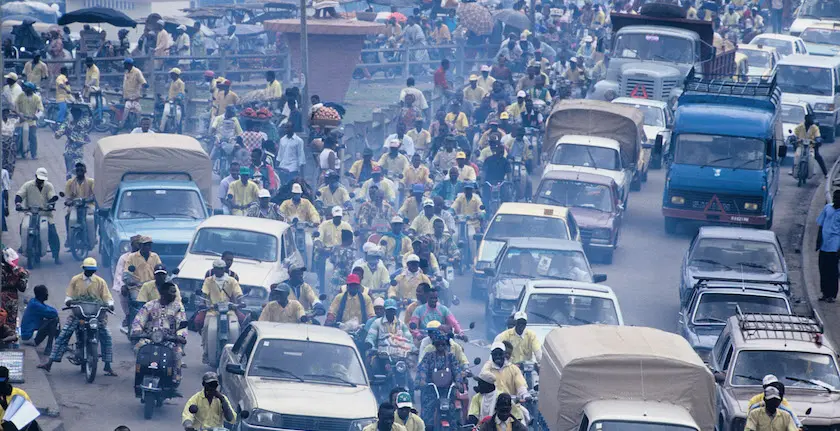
(670, 225)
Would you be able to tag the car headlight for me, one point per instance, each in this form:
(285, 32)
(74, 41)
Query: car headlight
(125, 247)
(601, 233)
(265, 418)
(677, 200)
(823, 107)
(360, 424)
(750, 206)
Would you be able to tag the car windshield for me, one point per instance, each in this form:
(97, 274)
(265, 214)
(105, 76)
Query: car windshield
(783, 47)
(804, 80)
(579, 194)
(653, 115)
(820, 9)
(331, 364)
(821, 35)
(570, 310)
(720, 151)
(716, 254)
(716, 308)
(160, 203)
(794, 114)
(756, 58)
(797, 369)
(654, 47)
(635, 426)
(586, 155)
(526, 226)
(535, 263)
(244, 244)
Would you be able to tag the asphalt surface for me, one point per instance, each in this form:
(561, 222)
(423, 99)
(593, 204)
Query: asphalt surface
(644, 276)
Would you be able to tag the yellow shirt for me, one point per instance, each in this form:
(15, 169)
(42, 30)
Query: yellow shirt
(274, 312)
(61, 88)
(525, 347)
(508, 380)
(36, 74)
(210, 413)
(474, 95)
(133, 82)
(423, 225)
(421, 139)
(304, 211)
(35, 198)
(352, 308)
(419, 175)
(394, 165)
(410, 209)
(373, 279)
(375, 427)
(307, 299)
(97, 288)
(810, 137)
(243, 194)
(391, 243)
(467, 173)
(332, 199)
(28, 106)
(758, 420)
(486, 83)
(274, 90)
(331, 234)
(226, 293)
(406, 287)
(384, 187)
(176, 88)
(149, 292)
(462, 206)
(75, 190)
(144, 269)
(475, 408)
(15, 391)
(356, 167)
(460, 121)
(224, 100)
(515, 110)
(413, 423)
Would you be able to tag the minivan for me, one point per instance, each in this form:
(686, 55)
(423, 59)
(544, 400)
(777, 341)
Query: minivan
(814, 80)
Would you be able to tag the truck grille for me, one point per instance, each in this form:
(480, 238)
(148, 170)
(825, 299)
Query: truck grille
(668, 85)
(730, 204)
(585, 235)
(307, 423)
(641, 87)
(177, 250)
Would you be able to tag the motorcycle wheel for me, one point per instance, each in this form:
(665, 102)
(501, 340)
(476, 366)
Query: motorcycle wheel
(91, 361)
(78, 245)
(212, 345)
(104, 124)
(149, 403)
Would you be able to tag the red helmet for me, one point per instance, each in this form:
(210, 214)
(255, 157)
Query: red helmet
(209, 74)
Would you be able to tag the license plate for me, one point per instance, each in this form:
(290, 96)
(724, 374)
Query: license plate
(740, 219)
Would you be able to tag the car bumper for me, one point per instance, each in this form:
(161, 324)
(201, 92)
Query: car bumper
(757, 220)
(600, 244)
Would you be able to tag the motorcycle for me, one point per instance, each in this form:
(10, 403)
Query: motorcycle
(530, 371)
(82, 233)
(495, 197)
(118, 113)
(102, 118)
(172, 123)
(36, 241)
(89, 315)
(390, 368)
(153, 376)
(221, 330)
(225, 152)
(804, 158)
(464, 239)
(447, 411)
(301, 239)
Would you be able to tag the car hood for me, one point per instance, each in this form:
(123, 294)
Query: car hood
(651, 132)
(541, 331)
(508, 288)
(309, 399)
(169, 231)
(694, 273)
(800, 24)
(808, 98)
(591, 218)
(653, 69)
(821, 404)
(618, 176)
(251, 273)
(704, 336)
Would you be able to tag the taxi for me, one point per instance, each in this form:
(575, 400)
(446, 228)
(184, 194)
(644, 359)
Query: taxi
(519, 220)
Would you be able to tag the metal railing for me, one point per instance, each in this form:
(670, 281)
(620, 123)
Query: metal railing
(407, 59)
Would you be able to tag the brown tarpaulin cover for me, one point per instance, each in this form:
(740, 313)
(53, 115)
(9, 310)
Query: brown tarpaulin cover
(596, 362)
(142, 152)
(623, 123)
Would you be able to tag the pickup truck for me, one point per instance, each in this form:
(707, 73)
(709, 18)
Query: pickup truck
(154, 185)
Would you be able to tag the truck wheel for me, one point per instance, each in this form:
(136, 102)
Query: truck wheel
(670, 225)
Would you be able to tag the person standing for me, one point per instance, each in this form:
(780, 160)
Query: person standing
(133, 84)
(12, 89)
(28, 106)
(36, 71)
(7, 140)
(291, 155)
(214, 409)
(777, 8)
(828, 245)
(63, 93)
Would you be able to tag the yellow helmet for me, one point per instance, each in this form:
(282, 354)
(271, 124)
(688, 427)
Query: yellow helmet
(89, 263)
(434, 324)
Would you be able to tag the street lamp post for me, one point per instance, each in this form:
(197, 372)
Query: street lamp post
(304, 66)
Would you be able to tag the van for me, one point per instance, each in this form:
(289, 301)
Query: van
(814, 80)
(812, 12)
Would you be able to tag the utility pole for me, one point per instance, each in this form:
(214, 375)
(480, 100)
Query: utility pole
(531, 16)
(304, 66)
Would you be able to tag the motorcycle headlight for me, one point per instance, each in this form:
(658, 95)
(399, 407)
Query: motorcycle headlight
(401, 367)
(265, 418)
(360, 424)
(93, 323)
(125, 247)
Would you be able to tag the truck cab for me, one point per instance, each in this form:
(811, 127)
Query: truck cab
(725, 153)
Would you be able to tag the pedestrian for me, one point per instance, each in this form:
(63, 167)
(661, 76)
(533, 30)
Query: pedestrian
(777, 8)
(28, 106)
(770, 417)
(7, 140)
(78, 135)
(63, 93)
(291, 155)
(828, 245)
(40, 320)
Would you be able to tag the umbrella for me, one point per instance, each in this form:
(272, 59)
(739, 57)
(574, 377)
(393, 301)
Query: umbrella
(475, 18)
(96, 15)
(513, 18)
(398, 16)
(242, 30)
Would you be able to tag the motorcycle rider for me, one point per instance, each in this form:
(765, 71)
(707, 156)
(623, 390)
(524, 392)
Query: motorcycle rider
(375, 272)
(165, 313)
(449, 188)
(408, 280)
(299, 207)
(443, 213)
(149, 290)
(133, 85)
(411, 207)
(483, 402)
(176, 96)
(526, 346)
(422, 224)
(397, 244)
(333, 193)
(210, 414)
(426, 345)
(468, 205)
(808, 133)
(374, 212)
(329, 232)
(385, 185)
(264, 208)
(243, 193)
(281, 309)
(393, 162)
(301, 291)
(443, 244)
(384, 327)
(420, 294)
(495, 171)
(405, 416)
(385, 421)
(227, 257)
(119, 285)
(79, 187)
(218, 288)
(433, 363)
(85, 286)
(432, 310)
(416, 173)
(342, 258)
(91, 91)
(465, 171)
(772, 381)
(362, 170)
(503, 417)
(38, 193)
(350, 305)
(509, 378)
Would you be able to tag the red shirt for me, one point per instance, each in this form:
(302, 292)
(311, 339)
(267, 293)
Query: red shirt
(440, 78)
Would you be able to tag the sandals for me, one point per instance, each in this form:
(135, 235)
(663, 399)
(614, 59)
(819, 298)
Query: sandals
(110, 373)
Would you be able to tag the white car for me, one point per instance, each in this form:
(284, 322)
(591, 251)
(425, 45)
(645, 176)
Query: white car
(785, 44)
(553, 303)
(822, 38)
(761, 60)
(658, 123)
(594, 155)
(814, 11)
(813, 79)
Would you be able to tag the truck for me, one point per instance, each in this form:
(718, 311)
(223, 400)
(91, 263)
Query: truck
(599, 377)
(653, 52)
(726, 149)
(154, 185)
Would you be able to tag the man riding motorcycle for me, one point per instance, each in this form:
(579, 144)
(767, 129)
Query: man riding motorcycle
(301, 291)
(526, 346)
(449, 188)
(352, 305)
(149, 290)
(164, 313)
(411, 207)
(333, 194)
(509, 378)
(374, 213)
(218, 288)
(214, 409)
(432, 310)
(443, 244)
(264, 208)
(362, 170)
(808, 133)
(408, 280)
(396, 243)
(281, 309)
(299, 207)
(383, 328)
(375, 272)
(422, 224)
(242, 193)
(385, 185)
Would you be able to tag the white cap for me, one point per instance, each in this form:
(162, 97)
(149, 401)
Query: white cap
(521, 93)
(768, 379)
(219, 263)
(497, 345)
(771, 392)
(573, 59)
(337, 211)
(379, 302)
(397, 219)
(182, 27)
(428, 202)
(520, 315)
(368, 247)
(412, 258)
(487, 376)
(41, 174)
(394, 143)
(264, 193)
(588, 39)
(296, 188)
(485, 68)
(11, 75)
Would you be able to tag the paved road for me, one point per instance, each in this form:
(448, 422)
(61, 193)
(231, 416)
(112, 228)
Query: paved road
(644, 275)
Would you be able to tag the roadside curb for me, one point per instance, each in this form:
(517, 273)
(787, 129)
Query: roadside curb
(38, 387)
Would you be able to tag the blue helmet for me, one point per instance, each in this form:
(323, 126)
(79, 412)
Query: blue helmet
(128, 60)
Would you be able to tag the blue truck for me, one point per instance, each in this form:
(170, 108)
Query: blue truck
(154, 185)
(726, 149)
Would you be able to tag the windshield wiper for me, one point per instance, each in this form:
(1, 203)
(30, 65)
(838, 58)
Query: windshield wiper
(712, 262)
(328, 376)
(709, 319)
(745, 163)
(592, 159)
(823, 385)
(544, 317)
(591, 206)
(139, 212)
(715, 161)
(281, 371)
(757, 266)
(553, 200)
(180, 214)
(755, 379)
(208, 252)
(584, 321)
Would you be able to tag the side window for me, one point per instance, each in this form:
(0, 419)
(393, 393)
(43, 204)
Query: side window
(573, 229)
(695, 298)
(237, 346)
(720, 348)
(250, 342)
(519, 302)
(729, 352)
(584, 423)
(288, 244)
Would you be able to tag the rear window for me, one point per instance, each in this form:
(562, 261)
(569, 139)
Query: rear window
(526, 226)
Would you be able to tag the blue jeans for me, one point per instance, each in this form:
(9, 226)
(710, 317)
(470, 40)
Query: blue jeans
(776, 20)
(33, 142)
(62, 112)
(63, 339)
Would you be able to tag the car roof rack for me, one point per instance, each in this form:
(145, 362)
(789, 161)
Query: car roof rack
(704, 281)
(762, 92)
(771, 326)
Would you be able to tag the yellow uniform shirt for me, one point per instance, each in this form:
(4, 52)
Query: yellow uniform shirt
(73, 189)
(373, 279)
(36, 74)
(243, 194)
(224, 100)
(406, 287)
(356, 167)
(176, 88)
(394, 165)
(210, 413)
(474, 95)
(460, 121)
(508, 379)
(410, 209)
(462, 206)
(433, 263)
(413, 423)
(92, 76)
(217, 122)
(149, 292)
(61, 88)
(423, 225)
(216, 293)
(352, 308)
(37, 198)
(274, 90)
(332, 199)
(274, 312)
(515, 110)
(384, 186)
(422, 139)
(758, 420)
(486, 83)
(307, 299)
(390, 243)
(15, 391)
(809, 137)
(144, 269)
(28, 106)
(525, 347)
(467, 173)
(133, 82)
(475, 408)
(331, 234)
(419, 175)
(304, 211)
(96, 288)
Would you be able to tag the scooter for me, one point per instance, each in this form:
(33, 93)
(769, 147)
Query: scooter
(118, 112)
(153, 377)
(102, 118)
(171, 124)
(447, 414)
(35, 243)
(90, 317)
(221, 330)
(82, 232)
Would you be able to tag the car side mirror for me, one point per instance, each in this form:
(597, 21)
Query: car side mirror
(218, 211)
(477, 237)
(719, 377)
(477, 361)
(490, 272)
(245, 414)
(104, 212)
(782, 151)
(599, 278)
(176, 271)
(235, 369)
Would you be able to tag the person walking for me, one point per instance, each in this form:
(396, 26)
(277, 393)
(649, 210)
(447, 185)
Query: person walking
(828, 245)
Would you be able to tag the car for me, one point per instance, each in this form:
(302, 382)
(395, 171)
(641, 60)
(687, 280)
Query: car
(523, 259)
(713, 301)
(659, 120)
(516, 220)
(594, 201)
(822, 38)
(813, 79)
(284, 375)
(761, 60)
(814, 11)
(260, 248)
(793, 114)
(794, 349)
(733, 253)
(785, 44)
(592, 154)
(553, 303)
